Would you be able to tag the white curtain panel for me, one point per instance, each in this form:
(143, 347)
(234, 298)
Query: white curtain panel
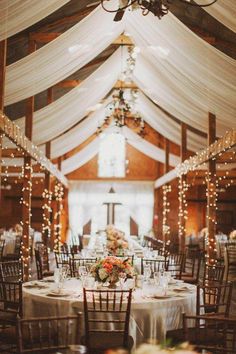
(165, 125)
(147, 148)
(223, 10)
(197, 72)
(61, 57)
(84, 197)
(56, 118)
(16, 15)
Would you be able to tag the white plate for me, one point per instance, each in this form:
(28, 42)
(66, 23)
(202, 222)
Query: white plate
(58, 294)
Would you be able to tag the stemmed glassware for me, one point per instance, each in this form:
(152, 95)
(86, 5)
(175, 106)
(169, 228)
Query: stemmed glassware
(82, 270)
(122, 278)
(147, 272)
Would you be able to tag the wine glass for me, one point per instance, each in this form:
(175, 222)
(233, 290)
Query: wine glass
(147, 272)
(122, 278)
(156, 277)
(82, 270)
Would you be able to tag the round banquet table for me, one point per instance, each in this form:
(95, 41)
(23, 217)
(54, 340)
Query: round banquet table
(150, 318)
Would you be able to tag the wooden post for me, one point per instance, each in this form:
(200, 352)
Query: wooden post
(47, 185)
(211, 193)
(167, 152)
(3, 55)
(57, 227)
(27, 184)
(182, 181)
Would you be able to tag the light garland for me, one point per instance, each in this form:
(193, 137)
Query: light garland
(59, 193)
(166, 209)
(183, 207)
(47, 210)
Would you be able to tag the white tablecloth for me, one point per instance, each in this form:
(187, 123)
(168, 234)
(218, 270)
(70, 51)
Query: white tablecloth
(150, 318)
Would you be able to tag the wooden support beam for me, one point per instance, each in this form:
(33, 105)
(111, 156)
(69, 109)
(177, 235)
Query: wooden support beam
(27, 183)
(167, 155)
(14, 133)
(47, 229)
(44, 37)
(3, 55)
(182, 182)
(211, 194)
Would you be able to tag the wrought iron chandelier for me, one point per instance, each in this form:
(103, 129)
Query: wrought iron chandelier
(158, 7)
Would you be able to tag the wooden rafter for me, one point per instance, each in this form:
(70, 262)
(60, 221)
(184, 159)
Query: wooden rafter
(14, 133)
(216, 149)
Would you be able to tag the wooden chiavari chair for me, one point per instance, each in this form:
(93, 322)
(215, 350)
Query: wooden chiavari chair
(107, 315)
(192, 265)
(231, 259)
(48, 334)
(216, 298)
(176, 264)
(75, 263)
(42, 264)
(2, 245)
(213, 334)
(213, 273)
(11, 271)
(62, 258)
(17, 250)
(156, 265)
(10, 310)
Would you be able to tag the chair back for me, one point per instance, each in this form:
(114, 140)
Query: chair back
(2, 245)
(216, 298)
(62, 258)
(192, 264)
(47, 334)
(176, 264)
(213, 334)
(75, 263)
(11, 297)
(17, 251)
(11, 271)
(107, 311)
(213, 273)
(156, 265)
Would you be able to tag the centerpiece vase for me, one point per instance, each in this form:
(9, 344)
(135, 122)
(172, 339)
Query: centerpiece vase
(112, 285)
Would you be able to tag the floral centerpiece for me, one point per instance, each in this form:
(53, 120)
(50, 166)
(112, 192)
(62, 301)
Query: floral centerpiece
(116, 242)
(110, 268)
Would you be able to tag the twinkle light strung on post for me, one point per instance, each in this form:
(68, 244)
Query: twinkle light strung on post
(166, 209)
(183, 207)
(47, 209)
(58, 193)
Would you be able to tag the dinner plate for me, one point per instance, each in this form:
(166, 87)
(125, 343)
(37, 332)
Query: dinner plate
(58, 294)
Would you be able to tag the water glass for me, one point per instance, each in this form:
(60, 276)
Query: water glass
(122, 278)
(147, 272)
(156, 277)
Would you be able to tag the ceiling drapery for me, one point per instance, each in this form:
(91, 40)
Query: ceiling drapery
(61, 57)
(72, 107)
(88, 152)
(16, 15)
(223, 10)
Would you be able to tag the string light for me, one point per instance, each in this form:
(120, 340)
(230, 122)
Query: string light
(58, 193)
(183, 207)
(166, 209)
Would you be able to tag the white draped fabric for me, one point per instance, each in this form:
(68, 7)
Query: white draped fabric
(72, 107)
(89, 151)
(61, 57)
(223, 10)
(166, 126)
(16, 15)
(191, 82)
(85, 198)
(147, 148)
(180, 105)
(80, 158)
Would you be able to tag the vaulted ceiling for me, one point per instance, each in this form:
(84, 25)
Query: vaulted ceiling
(74, 11)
